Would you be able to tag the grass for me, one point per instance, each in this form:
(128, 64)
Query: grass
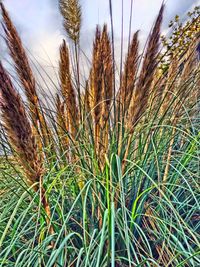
(109, 175)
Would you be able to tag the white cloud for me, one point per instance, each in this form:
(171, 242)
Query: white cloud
(40, 24)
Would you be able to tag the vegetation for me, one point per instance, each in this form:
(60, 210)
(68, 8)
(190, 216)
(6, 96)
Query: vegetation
(106, 172)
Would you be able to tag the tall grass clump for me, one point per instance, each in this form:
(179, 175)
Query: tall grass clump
(108, 175)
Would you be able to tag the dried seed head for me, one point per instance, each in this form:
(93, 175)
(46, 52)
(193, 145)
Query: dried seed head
(19, 130)
(140, 96)
(67, 88)
(71, 12)
(21, 61)
(130, 71)
(97, 75)
(107, 77)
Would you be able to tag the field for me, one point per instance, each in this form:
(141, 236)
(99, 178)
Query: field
(106, 171)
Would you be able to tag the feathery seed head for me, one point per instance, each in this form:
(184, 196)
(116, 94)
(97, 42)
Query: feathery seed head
(71, 12)
(141, 93)
(19, 130)
(67, 88)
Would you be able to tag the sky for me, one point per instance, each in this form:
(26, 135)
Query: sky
(40, 23)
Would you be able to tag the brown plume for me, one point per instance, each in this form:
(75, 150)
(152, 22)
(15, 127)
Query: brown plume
(67, 88)
(141, 93)
(107, 76)
(96, 83)
(130, 71)
(19, 130)
(71, 12)
(22, 65)
(21, 138)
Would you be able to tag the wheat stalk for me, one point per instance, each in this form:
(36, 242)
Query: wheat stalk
(87, 106)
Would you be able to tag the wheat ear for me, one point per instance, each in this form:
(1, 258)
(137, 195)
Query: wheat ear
(19, 130)
(127, 85)
(189, 72)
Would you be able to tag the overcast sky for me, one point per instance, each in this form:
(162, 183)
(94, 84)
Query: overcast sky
(40, 24)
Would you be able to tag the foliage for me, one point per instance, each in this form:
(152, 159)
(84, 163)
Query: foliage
(182, 35)
(118, 184)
